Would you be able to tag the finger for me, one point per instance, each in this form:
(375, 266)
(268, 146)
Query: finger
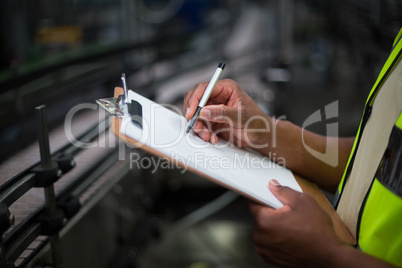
(256, 208)
(202, 131)
(214, 138)
(223, 90)
(187, 96)
(198, 126)
(264, 254)
(221, 93)
(193, 98)
(209, 126)
(204, 134)
(222, 131)
(273, 255)
(284, 194)
(221, 114)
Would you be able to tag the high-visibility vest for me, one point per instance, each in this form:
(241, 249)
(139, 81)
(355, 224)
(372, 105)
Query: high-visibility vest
(379, 225)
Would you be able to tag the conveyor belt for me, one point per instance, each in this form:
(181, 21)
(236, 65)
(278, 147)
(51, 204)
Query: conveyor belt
(80, 178)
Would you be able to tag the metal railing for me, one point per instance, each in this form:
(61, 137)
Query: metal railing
(50, 218)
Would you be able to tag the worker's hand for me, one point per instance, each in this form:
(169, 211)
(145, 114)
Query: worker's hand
(299, 234)
(229, 113)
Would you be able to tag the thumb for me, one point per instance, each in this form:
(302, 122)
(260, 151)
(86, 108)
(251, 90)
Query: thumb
(220, 113)
(284, 194)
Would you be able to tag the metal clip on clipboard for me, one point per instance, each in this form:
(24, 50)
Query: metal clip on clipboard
(120, 106)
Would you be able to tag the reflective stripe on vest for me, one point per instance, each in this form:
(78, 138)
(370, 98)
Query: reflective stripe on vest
(379, 226)
(391, 62)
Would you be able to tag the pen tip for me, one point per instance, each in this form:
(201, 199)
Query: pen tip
(221, 65)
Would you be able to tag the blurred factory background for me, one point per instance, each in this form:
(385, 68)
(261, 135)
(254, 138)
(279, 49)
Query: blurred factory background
(292, 57)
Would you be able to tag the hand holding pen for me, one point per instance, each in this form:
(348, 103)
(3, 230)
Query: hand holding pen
(230, 112)
(206, 95)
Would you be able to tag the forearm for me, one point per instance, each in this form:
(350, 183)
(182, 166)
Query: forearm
(296, 147)
(233, 115)
(347, 256)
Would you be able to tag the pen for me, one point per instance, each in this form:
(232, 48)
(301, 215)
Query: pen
(206, 95)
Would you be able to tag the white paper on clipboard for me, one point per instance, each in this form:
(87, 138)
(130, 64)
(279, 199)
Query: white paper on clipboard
(245, 172)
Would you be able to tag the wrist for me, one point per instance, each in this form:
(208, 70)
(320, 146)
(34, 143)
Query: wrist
(337, 255)
(257, 133)
(268, 139)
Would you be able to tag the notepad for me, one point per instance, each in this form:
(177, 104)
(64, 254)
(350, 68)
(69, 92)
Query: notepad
(244, 171)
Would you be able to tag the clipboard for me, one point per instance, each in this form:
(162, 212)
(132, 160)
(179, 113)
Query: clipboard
(123, 128)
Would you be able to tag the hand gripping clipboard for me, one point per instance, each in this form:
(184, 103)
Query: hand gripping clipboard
(307, 187)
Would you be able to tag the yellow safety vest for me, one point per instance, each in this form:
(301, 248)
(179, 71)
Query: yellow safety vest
(379, 225)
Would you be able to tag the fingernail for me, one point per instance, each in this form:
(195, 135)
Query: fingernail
(187, 111)
(213, 138)
(274, 182)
